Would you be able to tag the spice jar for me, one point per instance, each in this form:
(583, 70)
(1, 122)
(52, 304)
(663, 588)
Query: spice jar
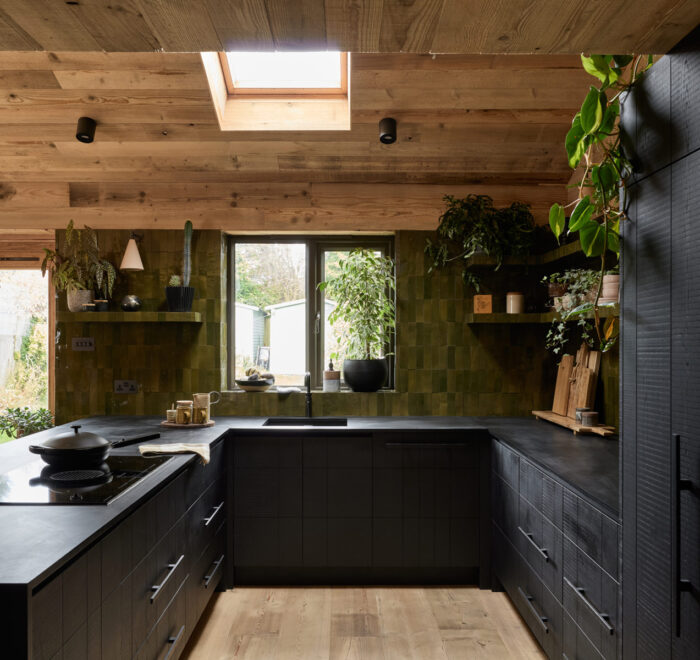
(183, 412)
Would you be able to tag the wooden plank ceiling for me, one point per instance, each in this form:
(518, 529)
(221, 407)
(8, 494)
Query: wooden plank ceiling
(466, 123)
(440, 26)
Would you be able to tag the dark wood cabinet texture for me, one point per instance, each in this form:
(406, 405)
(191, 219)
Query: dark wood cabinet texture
(354, 507)
(556, 554)
(660, 379)
(104, 604)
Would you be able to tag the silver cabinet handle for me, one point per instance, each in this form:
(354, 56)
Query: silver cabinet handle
(529, 601)
(156, 588)
(215, 569)
(581, 593)
(173, 642)
(528, 536)
(216, 510)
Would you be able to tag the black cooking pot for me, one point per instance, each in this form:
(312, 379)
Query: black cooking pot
(77, 449)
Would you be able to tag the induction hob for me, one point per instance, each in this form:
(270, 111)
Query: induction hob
(38, 483)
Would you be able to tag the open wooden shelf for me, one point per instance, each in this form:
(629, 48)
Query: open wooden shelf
(527, 260)
(543, 317)
(129, 317)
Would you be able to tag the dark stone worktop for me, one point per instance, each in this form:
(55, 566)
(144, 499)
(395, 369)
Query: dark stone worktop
(36, 540)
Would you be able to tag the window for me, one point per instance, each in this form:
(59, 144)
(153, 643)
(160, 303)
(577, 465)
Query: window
(278, 318)
(285, 74)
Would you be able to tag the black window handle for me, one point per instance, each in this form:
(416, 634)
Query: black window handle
(216, 510)
(215, 569)
(678, 485)
(529, 537)
(157, 588)
(173, 642)
(581, 593)
(529, 601)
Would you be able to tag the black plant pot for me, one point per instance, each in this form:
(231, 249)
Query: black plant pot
(365, 375)
(179, 298)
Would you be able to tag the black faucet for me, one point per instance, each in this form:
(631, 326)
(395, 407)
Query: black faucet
(307, 384)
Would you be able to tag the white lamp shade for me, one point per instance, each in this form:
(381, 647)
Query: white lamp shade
(132, 258)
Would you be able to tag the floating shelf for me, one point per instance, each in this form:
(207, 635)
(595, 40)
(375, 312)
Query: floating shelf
(129, 317)
(528, 260)
(543, 317)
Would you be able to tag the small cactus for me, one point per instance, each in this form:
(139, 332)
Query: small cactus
(187, 260)
(175, 280)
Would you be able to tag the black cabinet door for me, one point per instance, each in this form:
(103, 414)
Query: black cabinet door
(685, 411)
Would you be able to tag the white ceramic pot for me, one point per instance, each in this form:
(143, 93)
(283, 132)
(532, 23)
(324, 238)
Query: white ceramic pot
(76, 298)
(611, 288)
(515, 303)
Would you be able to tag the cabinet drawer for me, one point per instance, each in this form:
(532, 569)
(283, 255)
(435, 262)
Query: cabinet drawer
(592, 531)
(168, 637)
(199, 477)
(205, 575)
(543, 493)
(205, 517)
(506, 464)
(575, 645)
(590, 596)
(446, 449)
(155, 580)
(505, 507)
(540, 543)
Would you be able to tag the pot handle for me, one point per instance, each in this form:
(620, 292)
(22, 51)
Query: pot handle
(36, 449)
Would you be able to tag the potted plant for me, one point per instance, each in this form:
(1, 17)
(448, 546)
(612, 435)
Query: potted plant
(610, 293)
(79, 270)
(556, 285)
(179, 293)
(472, 226)
(364, 294)
(19, 422)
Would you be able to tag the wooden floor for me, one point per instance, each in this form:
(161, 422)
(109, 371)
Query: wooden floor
(379, 623)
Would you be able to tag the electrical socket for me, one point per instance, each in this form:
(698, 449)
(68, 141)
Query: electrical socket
(126, 387)
(83, 343)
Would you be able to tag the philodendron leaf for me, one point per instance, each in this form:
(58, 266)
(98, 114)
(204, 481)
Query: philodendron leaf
(613, 241)
(622, 60)
(581, 215)
(591, 112)
(597, 66)
(575, 142)
(592, 238)
(557, 220)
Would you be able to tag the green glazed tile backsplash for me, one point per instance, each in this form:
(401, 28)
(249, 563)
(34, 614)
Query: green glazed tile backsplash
(443, 367)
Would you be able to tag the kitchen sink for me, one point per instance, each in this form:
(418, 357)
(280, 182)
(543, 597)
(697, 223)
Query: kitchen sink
(306, 421)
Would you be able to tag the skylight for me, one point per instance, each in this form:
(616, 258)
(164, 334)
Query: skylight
(309, 71)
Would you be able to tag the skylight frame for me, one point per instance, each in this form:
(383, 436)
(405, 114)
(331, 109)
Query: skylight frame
(286, 92)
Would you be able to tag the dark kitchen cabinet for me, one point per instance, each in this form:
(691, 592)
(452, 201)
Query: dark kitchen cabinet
(104, 603)
(556, 555)
(660, 416)
(349, 507)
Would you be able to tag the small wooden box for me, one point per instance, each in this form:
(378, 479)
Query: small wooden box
(483, 304)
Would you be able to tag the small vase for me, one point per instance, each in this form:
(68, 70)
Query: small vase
(179, 298)
(611, 288)
(76, 298)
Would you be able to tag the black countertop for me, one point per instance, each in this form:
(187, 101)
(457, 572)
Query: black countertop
(36, 540)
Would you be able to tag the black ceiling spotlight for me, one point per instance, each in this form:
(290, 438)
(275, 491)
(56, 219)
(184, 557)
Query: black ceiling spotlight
(86, 130)
(387, 130)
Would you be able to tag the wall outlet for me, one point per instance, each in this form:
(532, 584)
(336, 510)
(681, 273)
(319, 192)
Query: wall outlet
(126, 387)
(83, 343)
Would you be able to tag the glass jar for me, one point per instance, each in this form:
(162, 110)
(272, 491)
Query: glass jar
(183, 412)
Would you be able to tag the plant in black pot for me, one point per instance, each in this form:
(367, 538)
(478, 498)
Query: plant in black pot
(179, 293)
(363, 291)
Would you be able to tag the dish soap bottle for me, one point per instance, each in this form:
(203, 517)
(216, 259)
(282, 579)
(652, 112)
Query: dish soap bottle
(331, 379)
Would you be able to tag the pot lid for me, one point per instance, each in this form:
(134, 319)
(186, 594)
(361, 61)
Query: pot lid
(76, 439)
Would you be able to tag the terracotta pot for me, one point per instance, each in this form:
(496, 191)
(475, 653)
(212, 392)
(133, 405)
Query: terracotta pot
(611, 288)
(76, 298)
(556, 289)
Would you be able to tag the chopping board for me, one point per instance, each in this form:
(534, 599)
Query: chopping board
(561, 390)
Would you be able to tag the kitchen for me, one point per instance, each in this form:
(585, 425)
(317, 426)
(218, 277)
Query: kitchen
(431, 515)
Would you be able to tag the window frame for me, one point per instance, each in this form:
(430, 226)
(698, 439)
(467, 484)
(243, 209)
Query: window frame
(287, 92)
(315, 246)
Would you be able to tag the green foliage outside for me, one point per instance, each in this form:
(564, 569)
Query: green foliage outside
(20, 422)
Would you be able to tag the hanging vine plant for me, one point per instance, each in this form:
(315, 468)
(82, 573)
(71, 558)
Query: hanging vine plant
(593, 144)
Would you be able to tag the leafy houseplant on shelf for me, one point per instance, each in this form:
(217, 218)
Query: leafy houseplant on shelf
(593, 145)
(78, 269)
(179, 293)
(472, 226)
(364, 294)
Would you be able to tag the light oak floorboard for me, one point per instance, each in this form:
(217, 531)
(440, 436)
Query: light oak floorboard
(357, 623)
